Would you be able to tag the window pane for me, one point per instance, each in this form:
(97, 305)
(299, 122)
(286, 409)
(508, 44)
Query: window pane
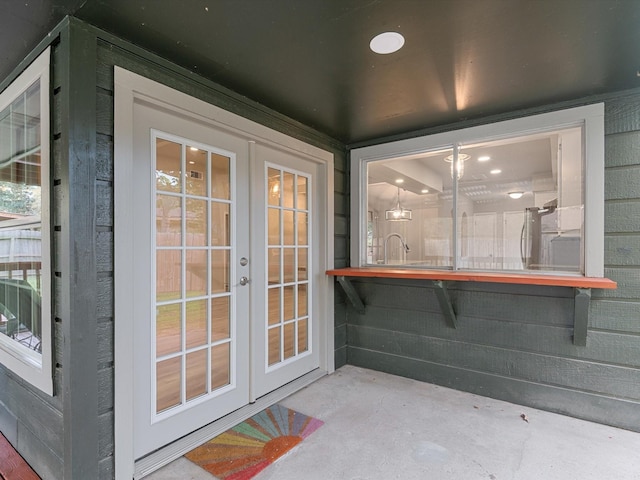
(287, 190)
(196, 171)
(273, 184)
(422, 237)
(220, 226)
(196, 374)
(196, 323)
(220, 321)
(168, 383)
(20, 218)
(196, 222)
(220, 366)
(168, 275)
(220, 271)
(168, 221)
(220, 177)
(527, 213)
(168, 166)
(196, 273)
(168, 329)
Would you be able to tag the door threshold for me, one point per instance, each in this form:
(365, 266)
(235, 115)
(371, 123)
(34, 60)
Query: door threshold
(158, 459)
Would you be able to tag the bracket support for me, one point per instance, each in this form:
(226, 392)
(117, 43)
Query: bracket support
(351, 293)
(582, 300)
(444, 300)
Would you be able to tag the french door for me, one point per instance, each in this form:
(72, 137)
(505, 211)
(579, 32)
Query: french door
(223, 279)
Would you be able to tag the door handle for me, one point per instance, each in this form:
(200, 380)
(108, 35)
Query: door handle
(244, 281)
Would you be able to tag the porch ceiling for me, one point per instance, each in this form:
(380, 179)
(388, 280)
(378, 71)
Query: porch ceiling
(310, 59)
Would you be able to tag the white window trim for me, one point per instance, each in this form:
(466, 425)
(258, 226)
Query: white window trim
(591, 115)
(30, 366)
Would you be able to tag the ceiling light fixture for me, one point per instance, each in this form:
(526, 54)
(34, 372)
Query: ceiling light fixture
(484, 158)
(459, 167)
(399, 180)
(424, 190)
(515, 195)
(398, 213)
(387, 42)
(495, 171)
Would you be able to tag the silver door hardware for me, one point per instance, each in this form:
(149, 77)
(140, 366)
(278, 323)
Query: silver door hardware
(244, 262)
(244, 281)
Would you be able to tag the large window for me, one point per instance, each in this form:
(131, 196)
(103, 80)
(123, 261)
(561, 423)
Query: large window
(524, 195)
(25, 284)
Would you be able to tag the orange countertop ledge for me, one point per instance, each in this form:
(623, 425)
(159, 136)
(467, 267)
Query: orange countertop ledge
(466, 276)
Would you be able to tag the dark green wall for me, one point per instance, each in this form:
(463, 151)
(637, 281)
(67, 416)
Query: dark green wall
(515, 342)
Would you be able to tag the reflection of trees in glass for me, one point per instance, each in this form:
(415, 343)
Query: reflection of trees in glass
(19, 198)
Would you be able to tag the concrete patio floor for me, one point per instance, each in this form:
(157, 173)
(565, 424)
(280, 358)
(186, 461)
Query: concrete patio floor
(379, 426)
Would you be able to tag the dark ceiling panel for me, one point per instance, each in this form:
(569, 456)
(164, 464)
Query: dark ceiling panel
(310, 59)
(23, 24)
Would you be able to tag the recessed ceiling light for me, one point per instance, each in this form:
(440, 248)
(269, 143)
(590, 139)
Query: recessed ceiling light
(387, 42)
(495, 171)
(424, 190)
(193, 149)
(515, 195)
(484, 158)
(399, 180)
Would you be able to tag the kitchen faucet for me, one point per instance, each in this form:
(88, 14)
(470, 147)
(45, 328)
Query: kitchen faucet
(405, 247)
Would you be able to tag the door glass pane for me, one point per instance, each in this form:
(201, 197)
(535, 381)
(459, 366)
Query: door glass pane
(220, 227)
(302, 229)
(274, 306)
(196, 171)
(220, 365)
(302, 193)
(168, 383)
(196, 223)
(168, 329)
(289, 340)
(288, 228)
(273, 186)
(303, 254)
(220, 320)
(274, 345)
(274, 265)
(196, 323)
(168, 221)
(288, 190)
(168, 275)
(168, 166)
(302, 300)
(196, 274)
(289, 259)
(196, 374)
(274, 226)
(289, 303)
(220, 271)
(220, 177)
(303, 336)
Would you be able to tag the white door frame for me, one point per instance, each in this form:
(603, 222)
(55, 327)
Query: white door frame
(128, 88)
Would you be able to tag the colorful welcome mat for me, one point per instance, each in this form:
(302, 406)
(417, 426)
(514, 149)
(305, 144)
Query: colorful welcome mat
(253, 445)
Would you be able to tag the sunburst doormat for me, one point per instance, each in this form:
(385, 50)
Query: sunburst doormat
(253, 445)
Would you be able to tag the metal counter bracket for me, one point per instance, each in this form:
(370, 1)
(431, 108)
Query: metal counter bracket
(441, 294)
(581, 302)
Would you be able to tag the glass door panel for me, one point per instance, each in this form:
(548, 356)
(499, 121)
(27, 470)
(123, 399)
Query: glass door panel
(287, 263)
(193, 333)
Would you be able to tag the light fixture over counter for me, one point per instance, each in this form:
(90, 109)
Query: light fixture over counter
(397, 214)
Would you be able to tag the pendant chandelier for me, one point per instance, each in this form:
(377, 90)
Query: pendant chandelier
(458, 168)
(397, 214)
